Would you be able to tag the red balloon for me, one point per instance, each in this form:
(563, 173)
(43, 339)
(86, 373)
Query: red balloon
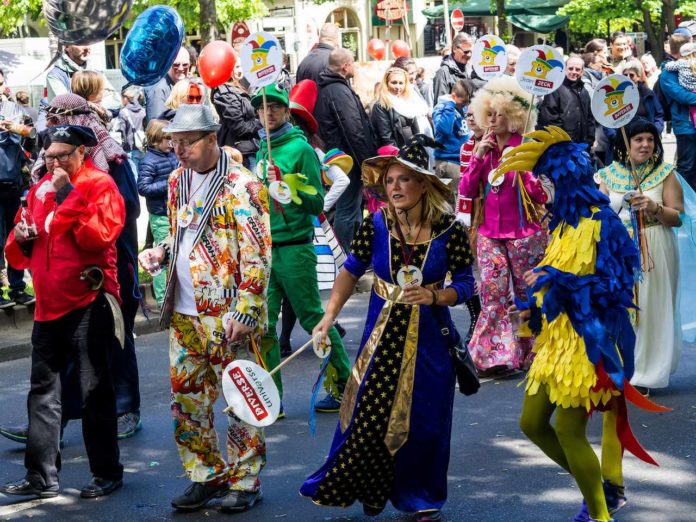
(400, 49)
(216, 63)
(376, 48)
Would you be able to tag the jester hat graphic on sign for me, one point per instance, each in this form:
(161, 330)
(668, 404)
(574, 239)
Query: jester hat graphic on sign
(259, 53)
(542, 65)
(489, 53)
(614, 95)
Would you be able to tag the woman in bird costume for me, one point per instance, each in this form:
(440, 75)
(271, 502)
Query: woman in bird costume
(578, 305)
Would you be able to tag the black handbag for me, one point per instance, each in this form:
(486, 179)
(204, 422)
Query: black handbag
(467, 375)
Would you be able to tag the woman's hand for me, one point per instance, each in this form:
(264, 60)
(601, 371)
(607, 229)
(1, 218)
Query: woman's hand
(418, 295)
(322, 327)
(487, 143)
(643, 202)
(531, 277)
(518, 316)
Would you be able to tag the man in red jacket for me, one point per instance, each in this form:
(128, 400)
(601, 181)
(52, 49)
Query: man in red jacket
(67, 237)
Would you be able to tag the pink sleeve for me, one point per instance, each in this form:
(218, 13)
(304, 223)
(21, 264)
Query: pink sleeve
(534, 188)
(471, 178)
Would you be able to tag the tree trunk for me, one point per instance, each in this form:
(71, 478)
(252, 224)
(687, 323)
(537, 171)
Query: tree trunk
(502, 19)
(668, 8)
(207, 21)
(655, 41)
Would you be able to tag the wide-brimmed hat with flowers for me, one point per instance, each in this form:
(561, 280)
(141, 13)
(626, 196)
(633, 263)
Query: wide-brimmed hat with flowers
(414, 157)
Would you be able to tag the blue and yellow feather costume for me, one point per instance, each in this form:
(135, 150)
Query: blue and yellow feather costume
(580, 305)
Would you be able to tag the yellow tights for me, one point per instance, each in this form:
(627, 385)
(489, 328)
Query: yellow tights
(566, 444)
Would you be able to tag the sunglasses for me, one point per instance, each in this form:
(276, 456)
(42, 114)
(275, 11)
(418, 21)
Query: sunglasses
(181, 65)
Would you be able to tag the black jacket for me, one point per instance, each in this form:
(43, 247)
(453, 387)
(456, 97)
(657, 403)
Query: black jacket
(390, 127)
(153, 173)
(448, 74)
(343, 122)
(238, 119)
(314, 63)
(568, 107)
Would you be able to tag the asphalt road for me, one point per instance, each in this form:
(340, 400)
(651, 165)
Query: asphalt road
(495, 473)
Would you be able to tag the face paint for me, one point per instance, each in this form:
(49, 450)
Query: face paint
(548, 187)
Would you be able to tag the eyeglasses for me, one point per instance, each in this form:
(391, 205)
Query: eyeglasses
(273, 107)
(185, 144)
(465, 51)
(181, 65)
(632, 76)
(469, 116)
(59, 157)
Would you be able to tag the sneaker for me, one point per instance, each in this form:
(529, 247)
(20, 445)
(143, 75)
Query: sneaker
(235, 501)
(584, 515)
(197, 495)
(328, 404)
(615, 495)
(128, 425)
(22, 298)
(20, 434)
(25, 488)
(6, 303)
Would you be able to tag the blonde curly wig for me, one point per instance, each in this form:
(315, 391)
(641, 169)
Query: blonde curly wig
(504, 95)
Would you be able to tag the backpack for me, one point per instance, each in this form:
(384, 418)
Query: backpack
(662, 100)
(10, 164)
(138, 135)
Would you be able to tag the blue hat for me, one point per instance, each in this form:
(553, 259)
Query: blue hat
(682, 30)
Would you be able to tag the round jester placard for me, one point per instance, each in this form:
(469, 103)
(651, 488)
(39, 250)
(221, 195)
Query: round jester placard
(615, 101)
(489, 57)
(262, 59)
(540, 70)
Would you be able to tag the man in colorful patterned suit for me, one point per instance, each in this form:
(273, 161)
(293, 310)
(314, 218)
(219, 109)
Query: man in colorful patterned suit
(218, 254)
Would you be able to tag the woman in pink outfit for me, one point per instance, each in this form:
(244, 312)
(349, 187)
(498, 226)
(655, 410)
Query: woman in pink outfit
(510, 238)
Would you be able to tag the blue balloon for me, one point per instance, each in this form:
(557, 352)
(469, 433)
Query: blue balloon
(152, 45)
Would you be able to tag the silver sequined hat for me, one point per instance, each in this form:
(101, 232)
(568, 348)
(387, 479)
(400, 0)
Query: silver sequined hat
(193, 117)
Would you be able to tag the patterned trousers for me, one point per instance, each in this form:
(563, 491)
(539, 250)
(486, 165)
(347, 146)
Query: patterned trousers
(198, 353)
(502, 261)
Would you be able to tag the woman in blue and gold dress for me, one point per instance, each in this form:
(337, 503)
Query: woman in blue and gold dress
(393, 438)
(579, 299)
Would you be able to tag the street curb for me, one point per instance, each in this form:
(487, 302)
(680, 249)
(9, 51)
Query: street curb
(21, 348)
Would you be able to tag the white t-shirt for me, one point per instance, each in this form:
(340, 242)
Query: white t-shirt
(184, 301)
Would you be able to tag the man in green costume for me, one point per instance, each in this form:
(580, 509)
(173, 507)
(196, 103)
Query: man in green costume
(294, 261)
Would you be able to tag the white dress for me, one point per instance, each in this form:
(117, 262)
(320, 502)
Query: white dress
(658, 332)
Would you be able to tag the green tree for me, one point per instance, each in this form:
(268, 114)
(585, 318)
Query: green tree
(602, 17)
(209, 17)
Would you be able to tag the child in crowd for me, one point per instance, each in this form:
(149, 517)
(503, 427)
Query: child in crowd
(153, 175)
(686, 68)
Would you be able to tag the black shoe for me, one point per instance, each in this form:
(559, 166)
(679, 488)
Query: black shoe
(285, 350)
(341, 331)
(128, 425)
(22, 298)
(99, 487)
(6, 303)
(197, 495)
(235, 501)
(25, 488)
(20, 433)
(372, 511)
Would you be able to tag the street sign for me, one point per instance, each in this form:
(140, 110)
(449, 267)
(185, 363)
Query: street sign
(457, 20)
(391, 9)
